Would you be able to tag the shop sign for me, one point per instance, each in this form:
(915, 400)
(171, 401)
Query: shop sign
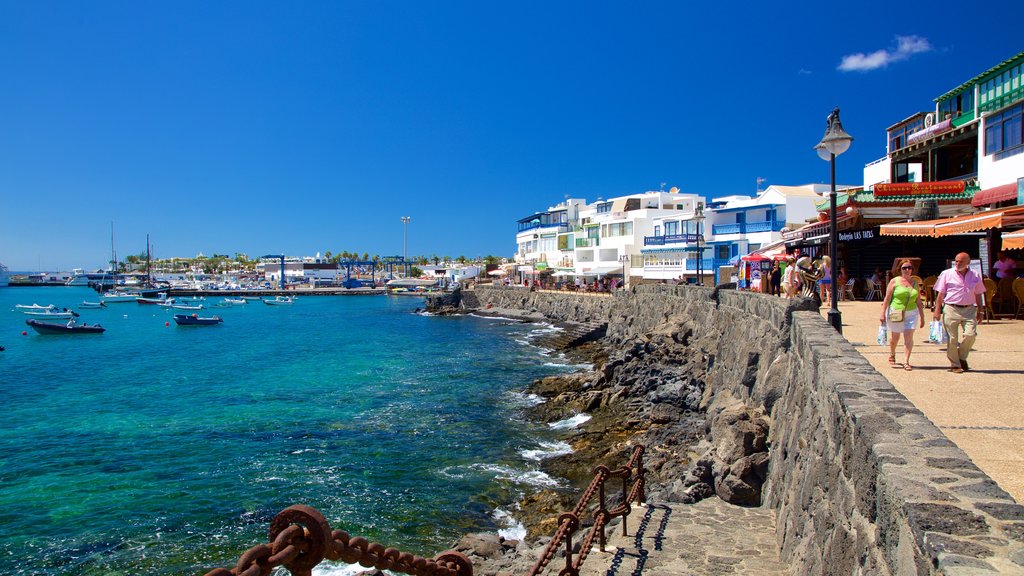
(856, 235)
(918, 188)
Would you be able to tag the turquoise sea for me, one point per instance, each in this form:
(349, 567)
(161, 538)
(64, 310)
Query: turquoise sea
(166, 450)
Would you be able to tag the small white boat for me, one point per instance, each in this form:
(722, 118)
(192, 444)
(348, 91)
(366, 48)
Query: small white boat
(87, 304)
(234, 301)
(35, 307)
(252, 297)
(52, 314)
(279, 301)
(120, 297)
(187, 307)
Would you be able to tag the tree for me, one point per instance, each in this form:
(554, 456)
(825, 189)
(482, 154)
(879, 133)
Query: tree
(461, 259)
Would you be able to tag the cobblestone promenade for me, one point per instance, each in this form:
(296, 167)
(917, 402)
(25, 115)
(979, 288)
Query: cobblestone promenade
(708, 538)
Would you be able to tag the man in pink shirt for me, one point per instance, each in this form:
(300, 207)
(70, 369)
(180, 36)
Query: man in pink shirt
(959, 292)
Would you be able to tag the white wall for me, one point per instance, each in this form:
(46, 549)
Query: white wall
(993, 173)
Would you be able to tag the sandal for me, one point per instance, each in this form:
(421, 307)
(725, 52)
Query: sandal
(908, 367)
(892, 360)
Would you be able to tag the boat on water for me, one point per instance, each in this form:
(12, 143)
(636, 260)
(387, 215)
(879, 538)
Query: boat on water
(195, 320)
(183, 306)
(234, 301)
(120, 297)
(160, 299)
(54, 313)
(82, 278)
(251, 297)
(70, 327)
(34, 307)
(279, 301)
(87, 304)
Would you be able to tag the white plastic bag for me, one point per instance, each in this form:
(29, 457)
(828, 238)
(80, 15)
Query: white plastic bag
(937, 332)
(883, 334)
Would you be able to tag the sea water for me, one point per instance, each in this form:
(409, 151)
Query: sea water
(160, 449)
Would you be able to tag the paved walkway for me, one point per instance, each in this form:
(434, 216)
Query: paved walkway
(707, 538)
(981, 410)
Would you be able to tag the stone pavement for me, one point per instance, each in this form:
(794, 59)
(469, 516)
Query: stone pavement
(982, 410)
(707, 538)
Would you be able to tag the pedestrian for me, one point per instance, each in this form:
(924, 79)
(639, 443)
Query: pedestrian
(825, 282)
(1004, 267)
(902, 312)
(790, 280)
(841, 281)
(958, 301)
(775, 279)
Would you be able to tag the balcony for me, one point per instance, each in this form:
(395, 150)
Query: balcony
(669, 239)
(562, 226)
(746, 227)
(587, 242)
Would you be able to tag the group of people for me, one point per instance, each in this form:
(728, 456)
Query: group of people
(786, 281)
(958, 307)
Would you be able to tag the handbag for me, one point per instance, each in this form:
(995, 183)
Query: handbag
(896, 316)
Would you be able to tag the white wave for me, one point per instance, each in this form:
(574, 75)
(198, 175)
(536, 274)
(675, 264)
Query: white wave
(511, 529)
(526, 400)
(304, 450)
(569, 423)
(547, 450)
(568, 366)
(530, 477)
(492, 317)
(328, 568)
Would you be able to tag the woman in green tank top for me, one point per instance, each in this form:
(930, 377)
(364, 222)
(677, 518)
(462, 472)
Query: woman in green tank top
(902, 297)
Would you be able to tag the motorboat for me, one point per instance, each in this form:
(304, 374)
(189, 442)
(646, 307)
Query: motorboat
(279, 301)
(53, 313)
(160, 299)
(183, 306)
(87, 304)
(70, 327)
(234, 301)
(251, 297)
(195, 320)
(120, 297)
(34, 307)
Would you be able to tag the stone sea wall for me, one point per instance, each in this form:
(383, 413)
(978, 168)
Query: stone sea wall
(861, 482)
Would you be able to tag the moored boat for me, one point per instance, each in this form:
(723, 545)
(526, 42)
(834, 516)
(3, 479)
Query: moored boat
(52, 313)
(181, 306)
(120, 297)
(34, 307)
(160, 299)
(279, 301)
(87, 304)
(194, 320)
(234, 301)
(70, 327)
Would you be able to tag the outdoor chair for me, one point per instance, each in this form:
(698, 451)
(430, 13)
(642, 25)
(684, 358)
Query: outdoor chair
(874, 290)
(1018, 291)
(929, 290)
(990, 293)
(1003, 300)
(847, 293)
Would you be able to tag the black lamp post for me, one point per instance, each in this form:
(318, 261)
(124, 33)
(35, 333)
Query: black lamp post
(698, 217)
(623, 258)
(835, 142)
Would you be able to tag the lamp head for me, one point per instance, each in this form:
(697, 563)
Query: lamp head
(836, 140)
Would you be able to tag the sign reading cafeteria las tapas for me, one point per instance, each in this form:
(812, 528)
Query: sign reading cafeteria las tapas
(919, 188)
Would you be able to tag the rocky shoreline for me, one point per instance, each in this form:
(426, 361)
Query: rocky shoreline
(649, 390)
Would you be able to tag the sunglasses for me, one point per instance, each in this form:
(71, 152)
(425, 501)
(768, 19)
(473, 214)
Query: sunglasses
(907, 268)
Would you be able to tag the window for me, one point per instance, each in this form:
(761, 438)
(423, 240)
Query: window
(671, 228)
(618, 229)
(1003, 132)
(722, 251)
(604, 208)
(657, 230)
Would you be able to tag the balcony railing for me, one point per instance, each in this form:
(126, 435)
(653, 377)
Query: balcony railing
(746, 227)
(587, 242)
(524, 226)
(669, 239)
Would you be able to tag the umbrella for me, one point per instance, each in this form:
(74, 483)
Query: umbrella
(755, 258)
(497, 272)
(734, 260)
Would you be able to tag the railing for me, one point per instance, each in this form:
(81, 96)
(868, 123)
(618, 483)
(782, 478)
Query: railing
(745, 227)
(569, 522)
(669, 239)
(587, 242)
(301, 538)
(531, 225)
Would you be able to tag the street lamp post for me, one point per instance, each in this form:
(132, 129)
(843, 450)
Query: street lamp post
(835, 142)
(405, 242)
(623, 258)
(698, 217)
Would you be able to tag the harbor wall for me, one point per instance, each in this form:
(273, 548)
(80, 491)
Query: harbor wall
(860, 481)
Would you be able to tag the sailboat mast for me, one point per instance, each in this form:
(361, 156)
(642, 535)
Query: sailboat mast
(113, 255)
(149, 277)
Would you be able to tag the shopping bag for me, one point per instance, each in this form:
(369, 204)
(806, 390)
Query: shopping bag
(937, 332)
(883, 334)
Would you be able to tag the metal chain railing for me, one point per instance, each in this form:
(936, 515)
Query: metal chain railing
(569, 522)
(300, 538)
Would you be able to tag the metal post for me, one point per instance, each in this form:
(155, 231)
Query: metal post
(834, 317)
(405, 242)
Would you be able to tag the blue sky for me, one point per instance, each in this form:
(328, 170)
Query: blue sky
(298, 127)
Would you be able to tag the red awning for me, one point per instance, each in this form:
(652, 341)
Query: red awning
(996, 194)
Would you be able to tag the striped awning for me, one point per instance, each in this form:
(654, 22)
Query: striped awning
(995, 194)
(958, 225)
(1013, 240)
